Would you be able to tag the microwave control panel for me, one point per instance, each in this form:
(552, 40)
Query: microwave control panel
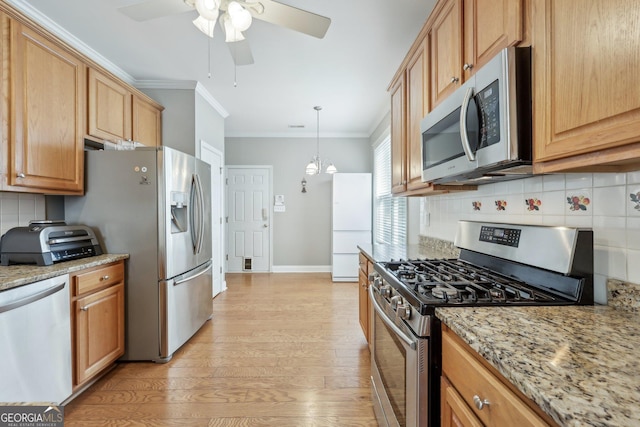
(488, 101)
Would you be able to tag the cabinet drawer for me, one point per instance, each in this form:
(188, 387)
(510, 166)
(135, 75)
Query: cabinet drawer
(91, 280)
(470, 378)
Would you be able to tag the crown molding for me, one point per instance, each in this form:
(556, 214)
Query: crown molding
(55, 29)
(184, 85)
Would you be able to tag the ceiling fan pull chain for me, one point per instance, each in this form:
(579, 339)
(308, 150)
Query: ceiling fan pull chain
(209, 54)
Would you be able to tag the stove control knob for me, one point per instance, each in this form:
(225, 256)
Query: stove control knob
(375, 280)
(385, 291)
(404, 311)
(396, 302)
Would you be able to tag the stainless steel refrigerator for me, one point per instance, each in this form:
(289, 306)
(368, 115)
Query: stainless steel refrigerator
(155, 205)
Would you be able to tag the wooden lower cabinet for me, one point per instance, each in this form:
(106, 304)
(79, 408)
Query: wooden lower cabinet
(97, 308)
(475, 394)
(454, 411)
(363, 294)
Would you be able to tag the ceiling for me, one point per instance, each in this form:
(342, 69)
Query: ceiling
(347, 72)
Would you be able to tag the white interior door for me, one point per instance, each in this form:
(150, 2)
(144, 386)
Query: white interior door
(249, 227)
(214, 157)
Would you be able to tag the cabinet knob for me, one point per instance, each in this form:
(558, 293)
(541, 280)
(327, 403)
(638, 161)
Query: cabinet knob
(85, 308)
(21, 175)
(105, 277)
(480, 403)
(455, 79)
(467, 67)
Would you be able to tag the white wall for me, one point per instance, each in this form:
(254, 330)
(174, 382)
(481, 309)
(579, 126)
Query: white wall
(302, 234)
(17, 209)
(610, 211)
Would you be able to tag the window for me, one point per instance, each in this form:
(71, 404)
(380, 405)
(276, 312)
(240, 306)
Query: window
(390, 213)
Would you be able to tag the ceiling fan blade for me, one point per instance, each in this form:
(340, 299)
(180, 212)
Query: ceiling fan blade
(241, 52)
(152, 9)
(293, 18)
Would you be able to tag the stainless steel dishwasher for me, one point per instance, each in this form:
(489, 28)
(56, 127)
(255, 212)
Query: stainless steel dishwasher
(35, 342)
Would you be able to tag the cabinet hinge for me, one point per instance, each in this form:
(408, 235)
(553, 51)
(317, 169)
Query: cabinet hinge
(227, 257)
(227, 220)
(226, 181)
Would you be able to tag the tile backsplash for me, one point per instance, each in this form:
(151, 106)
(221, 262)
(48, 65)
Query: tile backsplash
(17, 209)
(607, 202)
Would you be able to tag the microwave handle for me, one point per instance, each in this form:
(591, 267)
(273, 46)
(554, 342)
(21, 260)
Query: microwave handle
(466, 146)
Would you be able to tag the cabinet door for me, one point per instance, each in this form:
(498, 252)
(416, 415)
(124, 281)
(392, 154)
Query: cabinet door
(489, 26)
(109, 105)
(363, 303)
(147, 123)
(46, 114)
(454, 412)
(398, 142)
(585, 80)
(445, 42)
(417, 106)
(99, 323)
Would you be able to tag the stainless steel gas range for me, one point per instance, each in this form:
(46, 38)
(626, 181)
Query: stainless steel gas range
(499, 265)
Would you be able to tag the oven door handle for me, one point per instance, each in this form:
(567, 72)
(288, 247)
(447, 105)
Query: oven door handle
(411, 343)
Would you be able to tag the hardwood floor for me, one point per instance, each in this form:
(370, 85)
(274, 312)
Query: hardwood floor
(281, 350)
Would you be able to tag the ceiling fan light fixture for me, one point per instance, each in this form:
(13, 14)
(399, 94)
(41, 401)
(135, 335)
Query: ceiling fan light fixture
(241, 20)
(205, 25)
(230, 32)
(208, 9)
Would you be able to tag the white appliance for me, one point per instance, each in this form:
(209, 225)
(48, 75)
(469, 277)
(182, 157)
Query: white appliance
(153, 204)
(350, 222)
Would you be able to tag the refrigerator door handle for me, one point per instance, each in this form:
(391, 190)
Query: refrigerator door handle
(201, 212)
(195, 214)
(205, 268)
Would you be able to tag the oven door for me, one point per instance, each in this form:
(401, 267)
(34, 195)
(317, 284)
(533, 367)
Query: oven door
(399, 383)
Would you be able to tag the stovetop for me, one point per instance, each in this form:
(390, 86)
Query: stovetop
(456, 282)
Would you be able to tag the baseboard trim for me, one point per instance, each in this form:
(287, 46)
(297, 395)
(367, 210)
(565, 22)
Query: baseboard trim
(301, 269)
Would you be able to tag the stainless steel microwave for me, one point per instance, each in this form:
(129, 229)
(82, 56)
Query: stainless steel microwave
(482, 132)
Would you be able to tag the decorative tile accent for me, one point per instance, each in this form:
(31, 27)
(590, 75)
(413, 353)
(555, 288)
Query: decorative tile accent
(635, 199)
(578, 202)
(477, 205)
(501, 205)
(533, 204)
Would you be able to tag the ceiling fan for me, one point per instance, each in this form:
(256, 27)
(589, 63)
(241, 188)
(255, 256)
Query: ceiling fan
(235, 16)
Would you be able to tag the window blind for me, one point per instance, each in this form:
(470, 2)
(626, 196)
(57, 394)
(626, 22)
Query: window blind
(390, 213)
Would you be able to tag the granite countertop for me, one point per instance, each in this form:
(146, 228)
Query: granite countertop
(426, 249)
(581, 365)
(13, 276)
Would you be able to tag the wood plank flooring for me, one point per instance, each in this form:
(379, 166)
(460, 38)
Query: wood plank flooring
(282, 350)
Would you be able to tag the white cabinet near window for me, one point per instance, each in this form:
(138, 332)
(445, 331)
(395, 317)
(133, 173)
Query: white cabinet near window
(351, 223)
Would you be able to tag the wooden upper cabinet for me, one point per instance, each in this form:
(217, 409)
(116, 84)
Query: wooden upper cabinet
(46, 114)
(117, 113)
(398, 142)
(445, 43)
(147, 122)
(465, 35)
(585, 78)
(417, 105)
(109, 108)
(489, 26)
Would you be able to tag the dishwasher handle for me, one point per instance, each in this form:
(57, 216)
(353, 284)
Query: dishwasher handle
(31, 298)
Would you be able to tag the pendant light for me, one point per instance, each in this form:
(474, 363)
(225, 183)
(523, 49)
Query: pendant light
(316, 164)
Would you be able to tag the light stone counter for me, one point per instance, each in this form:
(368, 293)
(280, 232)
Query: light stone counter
(581, 365)
(17, 275)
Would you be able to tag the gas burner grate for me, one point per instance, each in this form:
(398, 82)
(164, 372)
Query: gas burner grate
(444, 281)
